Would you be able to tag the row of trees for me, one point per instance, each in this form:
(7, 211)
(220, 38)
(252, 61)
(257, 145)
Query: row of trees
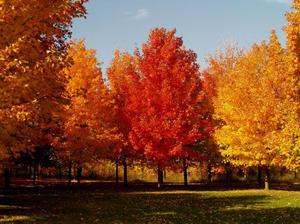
(154, 106)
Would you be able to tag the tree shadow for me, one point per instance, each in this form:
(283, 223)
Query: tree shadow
(86, 206)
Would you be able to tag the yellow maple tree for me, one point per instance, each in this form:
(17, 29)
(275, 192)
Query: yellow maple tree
(254, 104)
(293, 46)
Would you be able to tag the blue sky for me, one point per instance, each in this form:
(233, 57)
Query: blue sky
(205, 25)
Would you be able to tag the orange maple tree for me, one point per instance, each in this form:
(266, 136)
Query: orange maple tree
(123, 79)
(89, 132)
(32, 54)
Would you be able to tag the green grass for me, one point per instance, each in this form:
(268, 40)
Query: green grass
(104, 206)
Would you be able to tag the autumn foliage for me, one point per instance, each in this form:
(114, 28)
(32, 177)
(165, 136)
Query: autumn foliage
(166, 106)
(33, 51)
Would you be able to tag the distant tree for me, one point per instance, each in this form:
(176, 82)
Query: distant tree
(123, 79)
(88, 117)
(208, 149)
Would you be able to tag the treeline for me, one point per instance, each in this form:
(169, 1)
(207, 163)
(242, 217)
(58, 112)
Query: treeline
(155, 106)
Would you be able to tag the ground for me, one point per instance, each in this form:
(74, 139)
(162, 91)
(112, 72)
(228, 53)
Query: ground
(89, 205)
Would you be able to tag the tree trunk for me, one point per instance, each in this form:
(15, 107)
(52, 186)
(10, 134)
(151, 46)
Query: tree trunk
(200, 171)
(30, 170)
(40, 174)
(259, 176)
(70, 173)
(295, 174)
(125, 172)
(185, 175)
(59, 172)
(117, 171)
(79, 172)
(246, 179)
(6, 178)
(267, 178)
(34, 171)
(74, 171)
(282, 171)
(160, 176)
(228, 173)
(209, 174)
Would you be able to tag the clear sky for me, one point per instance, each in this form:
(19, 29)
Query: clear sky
(205, 25)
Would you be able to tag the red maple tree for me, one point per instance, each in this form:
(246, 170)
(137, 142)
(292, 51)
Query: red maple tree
(166, 107)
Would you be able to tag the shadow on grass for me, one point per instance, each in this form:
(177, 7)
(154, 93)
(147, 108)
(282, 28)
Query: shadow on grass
(86, 206)
(60, 184)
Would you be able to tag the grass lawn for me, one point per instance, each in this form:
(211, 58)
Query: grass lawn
(107, 206)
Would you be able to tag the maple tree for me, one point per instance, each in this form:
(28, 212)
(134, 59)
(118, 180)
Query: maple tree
(88, 119)
(123, 79)
(32, 52)
(165, 108)
(214, 77)
(293, 46)
(209, 151)
(259, 79)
